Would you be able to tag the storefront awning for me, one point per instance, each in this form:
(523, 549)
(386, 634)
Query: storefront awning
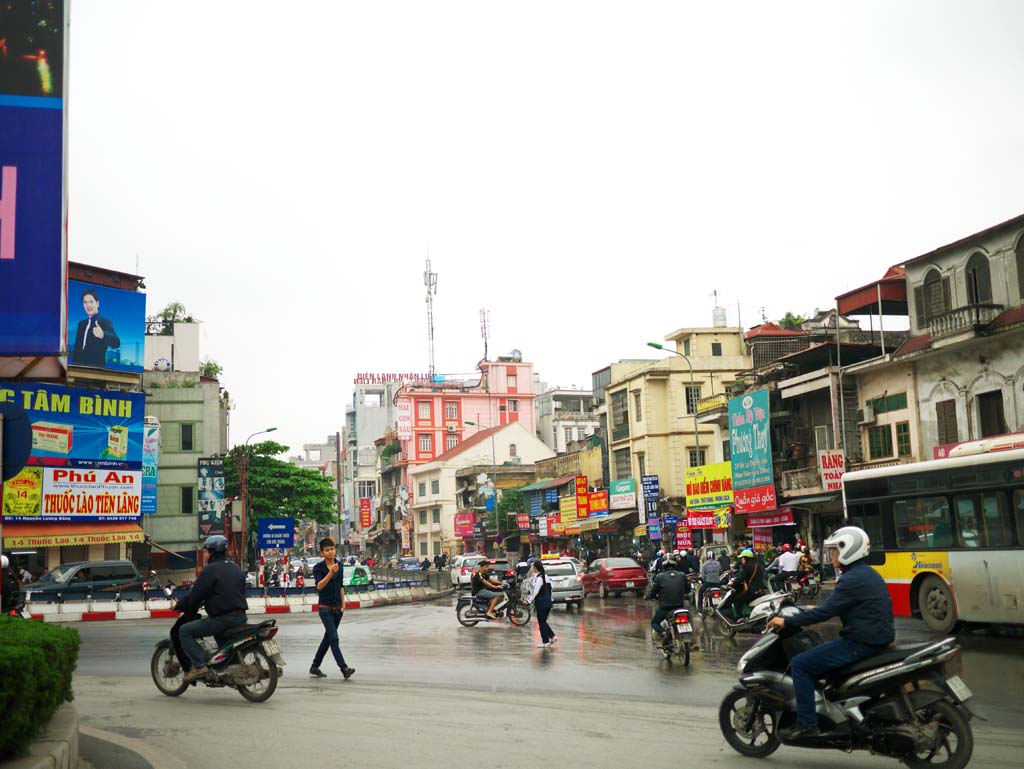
(593, 524)
(797, 501)
(550, 483)
(34, 535)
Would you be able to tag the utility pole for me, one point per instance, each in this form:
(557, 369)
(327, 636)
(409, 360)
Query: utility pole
(337, 481)
(430, 281)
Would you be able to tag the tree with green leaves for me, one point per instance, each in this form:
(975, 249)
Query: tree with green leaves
(503, 517)
(278, 489)
(791, 322)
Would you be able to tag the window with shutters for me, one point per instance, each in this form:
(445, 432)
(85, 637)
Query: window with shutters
(450, 441)
(979, 281)
(716, 349)
(451, 410)
(945, 417)
(903, 439)
(426, 443)
(638, 412)
(880, 442)
(188, 500)
(623, 469)
(692, 396)
(990, 413)
(932, 298)
(641, 463)
(697, 457)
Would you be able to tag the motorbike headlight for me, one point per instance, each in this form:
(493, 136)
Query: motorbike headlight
(742, 664)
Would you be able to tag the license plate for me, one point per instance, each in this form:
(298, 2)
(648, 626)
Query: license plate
(629, 584)
(687, 628)
(959, 688)
(271, 648)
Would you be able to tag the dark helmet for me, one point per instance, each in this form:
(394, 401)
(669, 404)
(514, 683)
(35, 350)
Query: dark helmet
(672, 562)
(216, 544)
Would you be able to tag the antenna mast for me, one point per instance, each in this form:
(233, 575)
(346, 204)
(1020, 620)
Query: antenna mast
(430, 281)
(485, 327)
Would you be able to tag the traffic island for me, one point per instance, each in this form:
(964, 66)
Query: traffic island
(56, 745)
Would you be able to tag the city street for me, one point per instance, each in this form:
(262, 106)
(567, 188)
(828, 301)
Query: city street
(430, 691)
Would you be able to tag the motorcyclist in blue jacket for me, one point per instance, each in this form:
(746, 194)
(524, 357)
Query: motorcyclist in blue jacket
(861, 600)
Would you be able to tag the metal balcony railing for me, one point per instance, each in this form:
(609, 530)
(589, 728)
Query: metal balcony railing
(968, 318)
(712, 403)
(804, 478)
(389, 462)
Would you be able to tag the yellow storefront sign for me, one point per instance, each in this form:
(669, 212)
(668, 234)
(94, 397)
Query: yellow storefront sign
(567, 507)
(23, 494)
(709, 485)
(640, 531)
(66, 540)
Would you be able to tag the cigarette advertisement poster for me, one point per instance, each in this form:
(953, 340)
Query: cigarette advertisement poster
(86, 455)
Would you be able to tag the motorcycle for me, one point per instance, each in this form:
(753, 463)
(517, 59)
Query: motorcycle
(677, 636)
(751, 618)
(154, 584)
(246, 658)
(470, 610)
(712, 600)
(899, 703)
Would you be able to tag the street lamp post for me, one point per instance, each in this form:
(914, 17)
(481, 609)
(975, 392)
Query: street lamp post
(696, 434)
(494, 478)
(244, 547)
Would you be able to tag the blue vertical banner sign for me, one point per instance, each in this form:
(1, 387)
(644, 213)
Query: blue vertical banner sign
(750, 445)
(150, 460)
(32, 189)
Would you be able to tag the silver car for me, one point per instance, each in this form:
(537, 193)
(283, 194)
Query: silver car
(566, 583)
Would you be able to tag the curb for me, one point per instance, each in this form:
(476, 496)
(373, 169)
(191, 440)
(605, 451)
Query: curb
(56, 747)
(77, 612)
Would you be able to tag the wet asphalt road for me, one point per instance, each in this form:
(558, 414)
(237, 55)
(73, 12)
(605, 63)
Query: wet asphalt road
(426, 688)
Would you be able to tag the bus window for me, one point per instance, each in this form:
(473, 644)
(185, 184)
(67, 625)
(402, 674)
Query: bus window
(922, 523)
(967, 521)
(868, 515)
(1018, 506)
(996, 528)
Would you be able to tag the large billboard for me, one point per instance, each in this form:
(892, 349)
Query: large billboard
(750, 444)
(86, 459)
(32, 193)
(210, 471)
(709, 485)
(106, 327)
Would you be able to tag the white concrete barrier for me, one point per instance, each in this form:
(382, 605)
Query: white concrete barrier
(158, 604)
(43, 608)
(310, 599)
(139, 614)
(64, 617)
(295, 601)
(100, 606)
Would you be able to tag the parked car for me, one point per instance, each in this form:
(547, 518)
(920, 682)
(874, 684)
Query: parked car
(566, 582)
(408, 563)
(501, 568)
(77, 581)
(615, 575)
(462, 569)
(356, 575)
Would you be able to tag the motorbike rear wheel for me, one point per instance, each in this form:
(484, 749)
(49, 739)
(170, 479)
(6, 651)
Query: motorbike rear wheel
(685, 655)
(733, 715)
(956, 740)
(262, 689)
(167, 673)
(723, 627)
(460, 615)
(519, 614)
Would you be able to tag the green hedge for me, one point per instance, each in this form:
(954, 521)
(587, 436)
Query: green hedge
(36, 665)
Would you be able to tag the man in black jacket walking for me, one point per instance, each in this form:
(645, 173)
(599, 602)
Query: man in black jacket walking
(861, 600)
(221, 587)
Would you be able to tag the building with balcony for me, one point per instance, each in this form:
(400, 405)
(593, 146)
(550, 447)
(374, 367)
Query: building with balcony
(564, 416)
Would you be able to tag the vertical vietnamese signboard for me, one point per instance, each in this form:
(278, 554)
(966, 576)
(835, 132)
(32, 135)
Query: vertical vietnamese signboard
(404, 419)
(150, 460)
(582, 497)
(753, 484)
(365, 513)
(211, 495)
(33, 67)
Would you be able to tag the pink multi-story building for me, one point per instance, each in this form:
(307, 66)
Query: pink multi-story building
(435, 418)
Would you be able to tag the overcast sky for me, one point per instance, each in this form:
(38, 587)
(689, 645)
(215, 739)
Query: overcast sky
(589, 171)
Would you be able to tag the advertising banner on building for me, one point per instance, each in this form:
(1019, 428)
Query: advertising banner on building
(542, 526)
(567, 510)
(650, 486)
(79, 429)
(403, 427)
(598, 503)
(33, 48)
(553, 525)
(654, 528)
(781, 517)
(523, 521)
(622, 494)
(210, 482)
(91, 495)
(709, 519)
(464, 521)
(407, 537)
(106, 327)
(582, 497)
(762, 539)
(832, 465)
(750, 445)
(365, 513)
(150, 460)
(709, 485)
(684, 539)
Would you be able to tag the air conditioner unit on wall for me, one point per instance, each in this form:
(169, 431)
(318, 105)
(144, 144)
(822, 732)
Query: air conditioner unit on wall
(451, 428)
(866, 415)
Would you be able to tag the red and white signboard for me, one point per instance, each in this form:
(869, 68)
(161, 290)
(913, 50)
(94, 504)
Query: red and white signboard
(832, 464)
(523, 521)
(781, 517)
(684, 539)
(762, 539)
(365, 513)
(696, 519)
(404, 419)
(464, 523)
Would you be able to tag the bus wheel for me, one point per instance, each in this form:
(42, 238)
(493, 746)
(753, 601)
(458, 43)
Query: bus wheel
(936, 604)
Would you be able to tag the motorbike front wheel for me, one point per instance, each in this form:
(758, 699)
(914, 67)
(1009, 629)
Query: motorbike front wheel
(954, 739)
(256, 659)
(723, 627)
(167, 673)
(519, 614)
(461, 614)
(749, 729)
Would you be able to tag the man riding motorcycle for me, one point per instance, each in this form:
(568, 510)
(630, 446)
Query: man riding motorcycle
(483, 586)
(861, 600)
(749, 583)
(710, 577)
(671, 587)
(221, 587)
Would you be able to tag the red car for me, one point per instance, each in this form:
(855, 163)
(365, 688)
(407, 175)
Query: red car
(615, 575)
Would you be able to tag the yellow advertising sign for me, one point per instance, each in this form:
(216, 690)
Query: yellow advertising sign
(709, 485)
(640, 531)
(23, 494)
(65, 540)
(567, 507)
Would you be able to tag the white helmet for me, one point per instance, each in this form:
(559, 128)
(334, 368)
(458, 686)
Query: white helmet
(852, 542)
(684, 551)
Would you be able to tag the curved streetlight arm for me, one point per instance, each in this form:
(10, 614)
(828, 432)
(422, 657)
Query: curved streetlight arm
(696, 433)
